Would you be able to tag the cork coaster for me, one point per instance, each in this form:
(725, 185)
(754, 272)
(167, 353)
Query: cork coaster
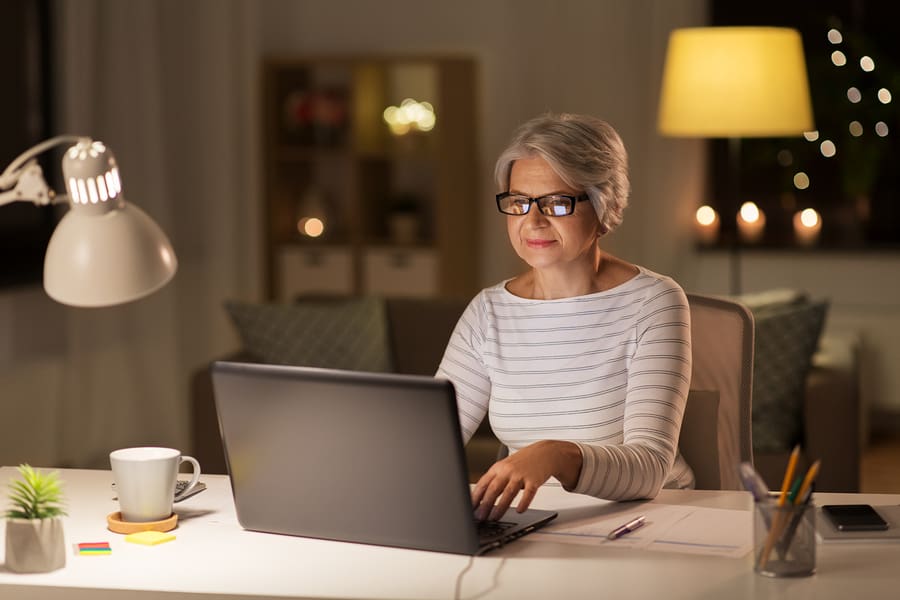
(115, 523)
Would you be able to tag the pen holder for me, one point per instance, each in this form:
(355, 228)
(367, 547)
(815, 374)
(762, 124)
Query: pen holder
(784, 539)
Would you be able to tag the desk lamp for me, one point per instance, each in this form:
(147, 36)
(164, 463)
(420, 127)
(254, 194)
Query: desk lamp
(104, 251)
(735, 82)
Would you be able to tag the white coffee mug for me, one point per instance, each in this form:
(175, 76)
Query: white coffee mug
(145, 481)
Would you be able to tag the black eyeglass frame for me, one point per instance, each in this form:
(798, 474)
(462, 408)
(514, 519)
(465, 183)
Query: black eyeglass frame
(540, 200)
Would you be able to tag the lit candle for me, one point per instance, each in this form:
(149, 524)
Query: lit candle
(311, 226)
(706, 224)
(751, 222)
(807, 226)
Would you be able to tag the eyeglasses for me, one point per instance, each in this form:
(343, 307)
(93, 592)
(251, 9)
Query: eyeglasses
(553, 205)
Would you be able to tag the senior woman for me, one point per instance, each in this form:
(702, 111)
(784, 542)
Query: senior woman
(582, 362)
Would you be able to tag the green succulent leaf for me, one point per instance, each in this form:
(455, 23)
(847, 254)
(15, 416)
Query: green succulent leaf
(36, 495)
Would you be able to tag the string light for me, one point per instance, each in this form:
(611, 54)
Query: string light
(410, 116)
(801, 181)
(785, 158)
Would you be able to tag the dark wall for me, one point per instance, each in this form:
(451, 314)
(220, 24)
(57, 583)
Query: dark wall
(856, 190)
(25, 109)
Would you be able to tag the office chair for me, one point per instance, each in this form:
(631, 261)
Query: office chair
(716, 429)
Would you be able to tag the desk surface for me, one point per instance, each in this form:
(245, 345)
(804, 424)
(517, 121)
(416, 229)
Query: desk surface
(213, 555)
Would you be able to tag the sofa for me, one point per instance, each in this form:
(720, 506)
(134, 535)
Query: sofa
(408, 335)
(415, 332)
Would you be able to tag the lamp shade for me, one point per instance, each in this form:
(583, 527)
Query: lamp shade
(105, 259)
(104, 251)
(735, 82)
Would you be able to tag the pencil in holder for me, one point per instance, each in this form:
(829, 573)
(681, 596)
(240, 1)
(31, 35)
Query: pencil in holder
(784, 539)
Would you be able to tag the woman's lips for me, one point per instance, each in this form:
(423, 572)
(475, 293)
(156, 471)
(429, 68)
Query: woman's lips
(539, 243)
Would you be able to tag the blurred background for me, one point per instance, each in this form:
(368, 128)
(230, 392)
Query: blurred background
(259, 136)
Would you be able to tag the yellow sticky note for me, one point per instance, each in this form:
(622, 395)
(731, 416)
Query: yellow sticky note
(149, 538)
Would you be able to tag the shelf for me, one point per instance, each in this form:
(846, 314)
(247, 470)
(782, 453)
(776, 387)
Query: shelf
(393, 206)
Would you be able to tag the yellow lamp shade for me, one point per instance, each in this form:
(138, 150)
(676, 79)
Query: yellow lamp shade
(735, 82)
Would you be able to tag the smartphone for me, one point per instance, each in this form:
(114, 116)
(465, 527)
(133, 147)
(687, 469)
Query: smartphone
(854, 517)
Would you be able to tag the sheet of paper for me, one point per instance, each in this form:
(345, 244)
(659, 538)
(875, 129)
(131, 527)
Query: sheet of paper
(716, 531)
(669, 528)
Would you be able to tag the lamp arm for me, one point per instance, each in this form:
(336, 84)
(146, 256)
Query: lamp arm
(12, 173)
(30, 185)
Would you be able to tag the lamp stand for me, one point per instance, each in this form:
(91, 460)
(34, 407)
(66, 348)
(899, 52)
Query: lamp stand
(733, 206)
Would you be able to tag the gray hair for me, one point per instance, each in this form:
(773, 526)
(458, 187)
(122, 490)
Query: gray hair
(584, 151)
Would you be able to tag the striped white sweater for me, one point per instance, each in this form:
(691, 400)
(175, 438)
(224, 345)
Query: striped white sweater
(608, 371)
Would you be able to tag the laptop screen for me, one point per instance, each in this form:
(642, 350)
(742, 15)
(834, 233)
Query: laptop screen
(343, 455)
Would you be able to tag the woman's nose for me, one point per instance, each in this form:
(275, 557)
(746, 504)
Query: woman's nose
(535, 217)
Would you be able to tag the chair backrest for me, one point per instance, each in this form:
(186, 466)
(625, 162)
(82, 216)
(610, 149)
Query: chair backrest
(716, 430)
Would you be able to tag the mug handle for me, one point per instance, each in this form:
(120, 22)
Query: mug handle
(195, 477)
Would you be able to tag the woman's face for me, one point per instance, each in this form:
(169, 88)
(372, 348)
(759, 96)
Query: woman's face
(548, 242)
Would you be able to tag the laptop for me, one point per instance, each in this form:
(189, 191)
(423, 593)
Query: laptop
(351, 456)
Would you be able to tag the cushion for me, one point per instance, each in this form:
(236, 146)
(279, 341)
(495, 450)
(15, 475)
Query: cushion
(338, 334)
(787, 336)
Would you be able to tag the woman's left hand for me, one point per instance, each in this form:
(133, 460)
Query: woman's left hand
(525, 471)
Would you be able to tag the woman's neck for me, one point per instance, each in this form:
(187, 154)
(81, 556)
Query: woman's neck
(597, 273)
(564, 281)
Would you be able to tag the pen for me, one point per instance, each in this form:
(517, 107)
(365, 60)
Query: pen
(753, 482)
(795, 488)
(800, 499)
(627, 527)
(802, 505)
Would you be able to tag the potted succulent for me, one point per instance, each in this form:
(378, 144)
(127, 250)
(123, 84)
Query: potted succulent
(34, 531)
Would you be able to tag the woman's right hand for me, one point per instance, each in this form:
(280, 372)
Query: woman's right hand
(525, 471)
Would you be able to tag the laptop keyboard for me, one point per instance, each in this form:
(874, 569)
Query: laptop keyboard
(489, 529)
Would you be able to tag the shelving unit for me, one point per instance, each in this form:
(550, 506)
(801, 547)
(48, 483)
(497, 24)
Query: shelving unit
(399, 211)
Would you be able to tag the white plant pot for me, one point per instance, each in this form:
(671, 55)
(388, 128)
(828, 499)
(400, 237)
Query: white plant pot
(35, 545)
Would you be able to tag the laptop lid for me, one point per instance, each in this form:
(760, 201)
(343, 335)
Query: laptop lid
(350, 456)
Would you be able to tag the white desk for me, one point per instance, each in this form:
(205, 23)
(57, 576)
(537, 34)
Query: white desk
(213, 555)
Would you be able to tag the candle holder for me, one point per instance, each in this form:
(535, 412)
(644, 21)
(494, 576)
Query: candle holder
(751, 223)
(707, 225)
(807, 227)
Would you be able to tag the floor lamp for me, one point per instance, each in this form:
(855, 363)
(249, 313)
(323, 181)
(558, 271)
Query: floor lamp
(735, 82)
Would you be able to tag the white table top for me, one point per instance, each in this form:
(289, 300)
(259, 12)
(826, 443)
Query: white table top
(213, 555)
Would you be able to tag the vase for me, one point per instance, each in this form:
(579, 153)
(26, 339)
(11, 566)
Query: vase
(403, 227)
(35, 545)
